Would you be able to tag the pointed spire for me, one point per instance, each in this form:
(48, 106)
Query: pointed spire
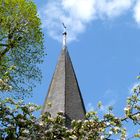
(64, 93)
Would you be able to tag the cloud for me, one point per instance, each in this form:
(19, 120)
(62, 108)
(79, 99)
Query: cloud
(109, 92)
(134, 86)
(137, 12)
(80, 9)
(112, 8)
(73, 13)
(77, 14)
(90, 107)
(104, 108)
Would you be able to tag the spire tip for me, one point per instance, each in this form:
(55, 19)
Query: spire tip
(64, 36)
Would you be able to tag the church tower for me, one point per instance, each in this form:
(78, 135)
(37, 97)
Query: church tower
(64, 93)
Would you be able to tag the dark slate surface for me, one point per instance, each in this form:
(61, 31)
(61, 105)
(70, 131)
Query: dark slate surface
(64, 94)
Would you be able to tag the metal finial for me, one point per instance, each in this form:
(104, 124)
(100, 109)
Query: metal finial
(64, 36)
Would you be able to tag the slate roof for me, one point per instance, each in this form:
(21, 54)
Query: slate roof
(64, 93)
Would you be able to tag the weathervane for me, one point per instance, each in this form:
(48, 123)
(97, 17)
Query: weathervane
(64, 36)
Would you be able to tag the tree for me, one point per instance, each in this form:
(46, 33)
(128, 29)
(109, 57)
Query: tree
(21, 45)
(17, 122)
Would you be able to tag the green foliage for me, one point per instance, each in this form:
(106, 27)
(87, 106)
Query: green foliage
(21, 45)
(16, 118)
(18, 122)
